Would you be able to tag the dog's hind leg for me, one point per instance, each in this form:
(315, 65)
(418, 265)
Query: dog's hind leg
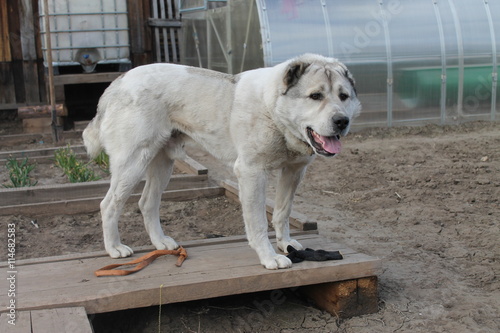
(126, 173)
(288, 181)
(157, 177)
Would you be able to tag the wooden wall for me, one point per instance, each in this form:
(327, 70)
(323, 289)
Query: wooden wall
(22, 73)
(21, 64)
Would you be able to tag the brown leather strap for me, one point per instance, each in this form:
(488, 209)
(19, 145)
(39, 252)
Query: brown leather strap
(141, 262)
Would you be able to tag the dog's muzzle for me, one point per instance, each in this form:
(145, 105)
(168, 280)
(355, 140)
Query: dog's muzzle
(324, 145)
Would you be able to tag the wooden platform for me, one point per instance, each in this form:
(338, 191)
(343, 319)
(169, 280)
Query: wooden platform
(65, 286)
(215, 267)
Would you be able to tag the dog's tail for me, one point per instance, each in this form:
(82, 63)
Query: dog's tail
(91, 138)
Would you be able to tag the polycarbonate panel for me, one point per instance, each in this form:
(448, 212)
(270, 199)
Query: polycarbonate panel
(358, 40)
(494, 8)
(416, 56)
(225, 39)
(477, 57)
(295, 27)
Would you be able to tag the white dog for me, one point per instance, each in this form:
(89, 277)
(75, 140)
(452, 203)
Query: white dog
(266, 119)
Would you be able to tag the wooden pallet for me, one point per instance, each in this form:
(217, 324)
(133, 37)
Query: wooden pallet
(214, 268)
(72, 320)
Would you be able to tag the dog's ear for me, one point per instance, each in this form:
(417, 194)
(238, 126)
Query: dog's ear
(293, 73)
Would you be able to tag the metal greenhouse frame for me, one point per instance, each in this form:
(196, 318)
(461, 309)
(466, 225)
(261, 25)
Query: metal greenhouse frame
(433, 61)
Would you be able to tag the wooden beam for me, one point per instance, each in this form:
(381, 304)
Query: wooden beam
(41, 111)
(345, 299)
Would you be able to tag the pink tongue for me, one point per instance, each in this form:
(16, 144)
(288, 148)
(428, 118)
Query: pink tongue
(331, 144)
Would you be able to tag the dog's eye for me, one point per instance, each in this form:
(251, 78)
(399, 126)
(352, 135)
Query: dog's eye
(316, 96)
(343, 96)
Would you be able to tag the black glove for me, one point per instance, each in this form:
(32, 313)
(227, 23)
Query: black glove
(312, 255)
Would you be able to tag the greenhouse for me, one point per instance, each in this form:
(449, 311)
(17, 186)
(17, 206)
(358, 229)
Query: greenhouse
(415, 62)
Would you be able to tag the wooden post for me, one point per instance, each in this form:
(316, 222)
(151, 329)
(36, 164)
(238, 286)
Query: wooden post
(52, 94)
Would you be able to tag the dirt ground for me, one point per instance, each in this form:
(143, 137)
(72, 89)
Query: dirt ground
(424, 199)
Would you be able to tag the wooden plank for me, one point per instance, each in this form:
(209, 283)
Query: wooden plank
(16, 51)
(72, 320)
(164, 23)
(60, 192)
(5, 55)
(221, 242)
(7, 92)
(19, 139)
(22, 321)
(91, 205)
(345, 299)
(189, 165)
(172, 13)
(32, 153)
(30, 76)
(209, 272)
(140, 34)
(165, 32)
(39, 111)
(37, 125)
(28, 45)
(157, 32)
(296, 219)
(85, 78)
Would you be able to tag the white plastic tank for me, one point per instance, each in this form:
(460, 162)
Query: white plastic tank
(86, 32)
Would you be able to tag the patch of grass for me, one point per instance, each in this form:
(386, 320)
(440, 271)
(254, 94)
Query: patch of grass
(102, 160)
(19, 173)
(75, 169)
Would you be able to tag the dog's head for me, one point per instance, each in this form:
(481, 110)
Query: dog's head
(318, 102)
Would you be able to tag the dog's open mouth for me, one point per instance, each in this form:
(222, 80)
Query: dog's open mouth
(324, 145)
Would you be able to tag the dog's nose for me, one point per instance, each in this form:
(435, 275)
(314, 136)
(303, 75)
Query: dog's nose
(341, 122)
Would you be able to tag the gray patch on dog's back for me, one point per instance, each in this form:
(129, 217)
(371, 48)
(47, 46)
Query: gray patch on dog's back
(211, 74)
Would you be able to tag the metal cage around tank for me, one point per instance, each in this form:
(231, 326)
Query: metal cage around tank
(100, 27)
(427, 61)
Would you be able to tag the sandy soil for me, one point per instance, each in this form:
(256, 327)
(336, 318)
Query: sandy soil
(424, 199)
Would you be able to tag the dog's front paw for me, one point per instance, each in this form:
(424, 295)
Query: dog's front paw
(119, 251)
(165, 243)
(283, 245)
(276, 262)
